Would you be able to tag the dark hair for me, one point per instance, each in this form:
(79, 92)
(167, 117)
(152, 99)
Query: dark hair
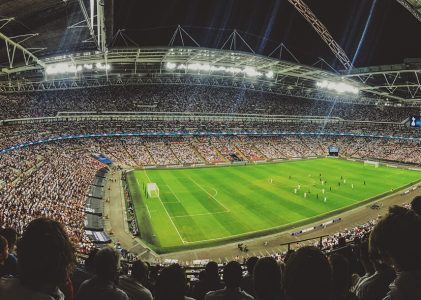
(307, 275)
(251, 262)
(232, 274)
(211, 268)
(45, 254)
(139, 270)
(212, 272)
(3, 248)
(106, 263)
(416, 205)
(341, 275)
(10, 235)
(267, 279)
(288, 255)
(171, 283)
(3, 243)
(89, 261)
(397, 237)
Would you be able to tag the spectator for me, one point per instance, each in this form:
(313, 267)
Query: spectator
(307, 275)
(4, 252)
(199, 288)
(247, 281)
(341, 276)
(134, 285)
(376, 286)
(416, 205)
(397, 238)
(267, 279)
(45, 260)
(210, 282)
(104, 284)
(366, 263)
(10, 265)
(171, 284)
(86, 271)
(232, 279)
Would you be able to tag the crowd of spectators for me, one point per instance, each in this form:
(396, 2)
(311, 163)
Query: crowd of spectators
(52, 179)
(185, 98)
(382, 263)
(56, 188)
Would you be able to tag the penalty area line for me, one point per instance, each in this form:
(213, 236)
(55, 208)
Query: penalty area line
(203, 214)
(172, 192)
(169, 217)
(213, 197)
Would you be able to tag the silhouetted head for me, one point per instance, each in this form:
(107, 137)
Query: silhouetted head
(89, 261)
(212, 272)
(45, 254)
(11, 236)
(106, 264)
(251, 262)
(171, 283)
(307, 275)
(140, 271)
(267, 279)
(232, 275)
(4, 250)
(365, 258)
(397, 239)
(341, 275)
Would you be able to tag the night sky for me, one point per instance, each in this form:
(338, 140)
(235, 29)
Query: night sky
(383, 30)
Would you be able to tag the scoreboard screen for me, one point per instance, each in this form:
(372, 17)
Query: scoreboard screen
(415, 121)
(333, 149)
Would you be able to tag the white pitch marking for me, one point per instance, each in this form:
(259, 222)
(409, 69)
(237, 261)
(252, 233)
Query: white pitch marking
(149, 213)
(204, 214)
(162, 203)
(227, 210)
(172, 192)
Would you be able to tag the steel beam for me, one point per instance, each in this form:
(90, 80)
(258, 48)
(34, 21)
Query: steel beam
(12, 46)
(323, 32)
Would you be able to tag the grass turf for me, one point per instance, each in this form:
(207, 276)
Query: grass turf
(206, 206)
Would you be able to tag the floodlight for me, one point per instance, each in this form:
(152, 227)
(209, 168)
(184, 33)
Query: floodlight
(171, 66)
(270, 74)
(340, 87)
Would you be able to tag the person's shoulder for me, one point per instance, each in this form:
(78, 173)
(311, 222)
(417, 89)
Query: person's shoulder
(214, 294)
(12, 289)
(120, 294)
(11, 258)
(245, 295)
(86, 283)
(7, 283)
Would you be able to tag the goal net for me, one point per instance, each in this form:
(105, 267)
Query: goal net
(152, 190)
(375, 164)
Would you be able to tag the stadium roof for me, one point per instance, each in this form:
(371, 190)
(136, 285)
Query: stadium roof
(66, 37)
(413, 6)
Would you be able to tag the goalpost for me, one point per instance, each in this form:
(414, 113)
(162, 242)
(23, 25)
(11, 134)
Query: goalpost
(152, 190)
(375, 164)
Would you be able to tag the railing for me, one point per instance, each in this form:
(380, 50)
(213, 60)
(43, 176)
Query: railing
(186, 116)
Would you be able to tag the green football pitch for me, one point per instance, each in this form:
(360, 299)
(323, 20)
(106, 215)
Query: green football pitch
(207, 206)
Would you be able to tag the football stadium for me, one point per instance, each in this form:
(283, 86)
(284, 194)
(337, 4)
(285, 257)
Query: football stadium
(178, 149)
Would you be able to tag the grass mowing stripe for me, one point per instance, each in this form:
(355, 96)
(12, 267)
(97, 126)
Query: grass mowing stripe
(260, 198)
